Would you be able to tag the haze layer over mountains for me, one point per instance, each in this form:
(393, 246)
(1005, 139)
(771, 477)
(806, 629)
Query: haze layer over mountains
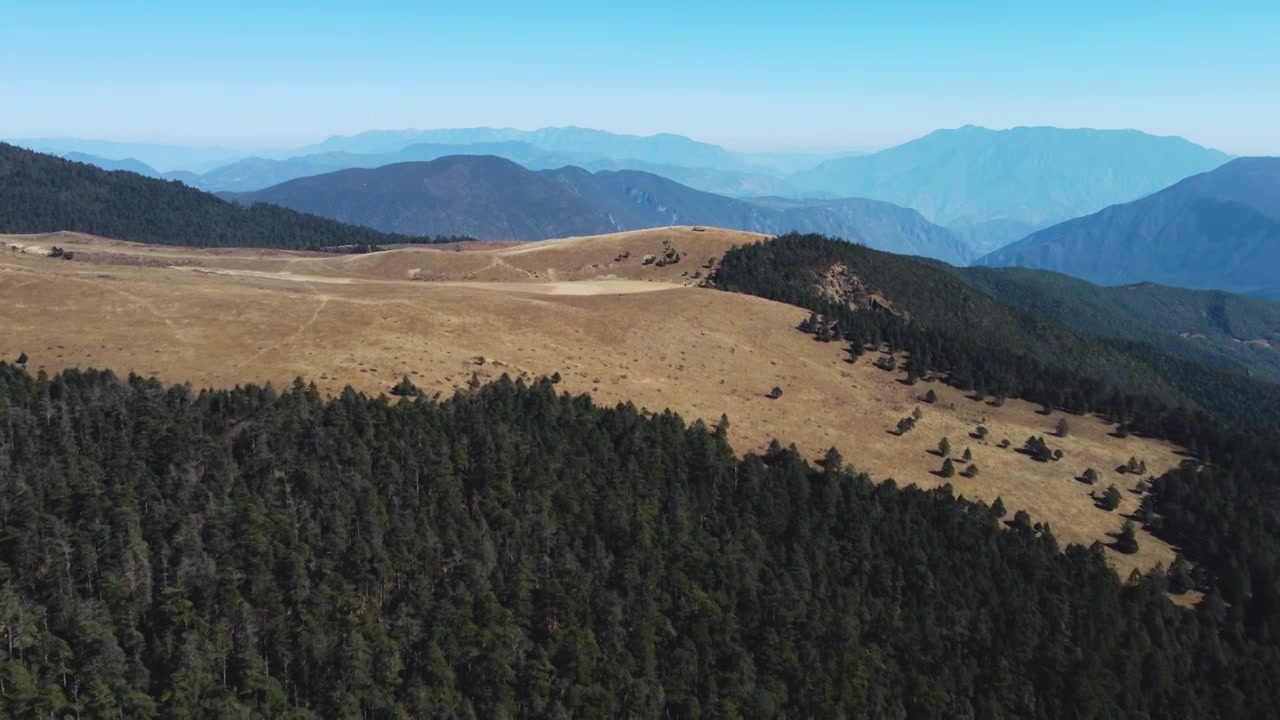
(1033, 196)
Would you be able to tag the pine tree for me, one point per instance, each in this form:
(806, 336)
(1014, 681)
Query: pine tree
(1061, 429)
(1110, 499)
(1180, 576)
(997, 507)
(948, 468)
(944, 448)
(1127, 541)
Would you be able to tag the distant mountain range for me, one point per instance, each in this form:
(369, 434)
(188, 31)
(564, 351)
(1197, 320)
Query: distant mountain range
(491, 197)
(1219, 229)
(661, 149)
(995, 186)
(702, 165)
(990, 187)
(258, 173)
(163, 158)
(125, 164)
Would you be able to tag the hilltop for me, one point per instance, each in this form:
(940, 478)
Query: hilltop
(1216, 230)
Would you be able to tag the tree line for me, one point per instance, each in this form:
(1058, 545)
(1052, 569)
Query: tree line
(1221, 507)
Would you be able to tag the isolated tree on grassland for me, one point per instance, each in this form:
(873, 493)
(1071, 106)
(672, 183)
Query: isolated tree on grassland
(1090, 476)
(905, 425)
(967, 456)
(971, 471)
(1110, 499)
(1061, 429)
(775, 393)
(948, 468)
(1127, 541)
(944, 447)
(931, 397)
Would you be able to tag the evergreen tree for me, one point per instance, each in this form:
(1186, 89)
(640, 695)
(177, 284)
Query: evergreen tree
(1180, 576)
(1110, 498)
(1126, 541)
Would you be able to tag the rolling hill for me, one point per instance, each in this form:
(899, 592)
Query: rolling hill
(594, 416)
(587, 309)
(971, 177)
(42, 193)
(491, 198)
(1217, 230)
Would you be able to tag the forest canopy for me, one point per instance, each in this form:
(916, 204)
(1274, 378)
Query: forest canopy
(512, 551)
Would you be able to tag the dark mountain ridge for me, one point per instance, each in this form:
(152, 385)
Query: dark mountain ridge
(43, 193)
(483, 196)
(493, 198)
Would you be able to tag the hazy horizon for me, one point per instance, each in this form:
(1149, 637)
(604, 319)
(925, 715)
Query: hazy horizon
(749, 76)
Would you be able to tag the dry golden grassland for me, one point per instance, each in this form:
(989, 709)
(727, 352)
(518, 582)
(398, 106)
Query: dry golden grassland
(609, 325)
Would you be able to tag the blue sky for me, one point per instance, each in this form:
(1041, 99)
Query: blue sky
(749, 75)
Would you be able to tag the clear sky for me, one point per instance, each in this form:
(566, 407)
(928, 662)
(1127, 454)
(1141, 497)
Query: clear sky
(749, 75)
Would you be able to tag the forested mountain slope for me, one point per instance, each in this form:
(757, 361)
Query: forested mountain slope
(1231, 331)
(985, 345)
(41, 193)
(511, 552)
